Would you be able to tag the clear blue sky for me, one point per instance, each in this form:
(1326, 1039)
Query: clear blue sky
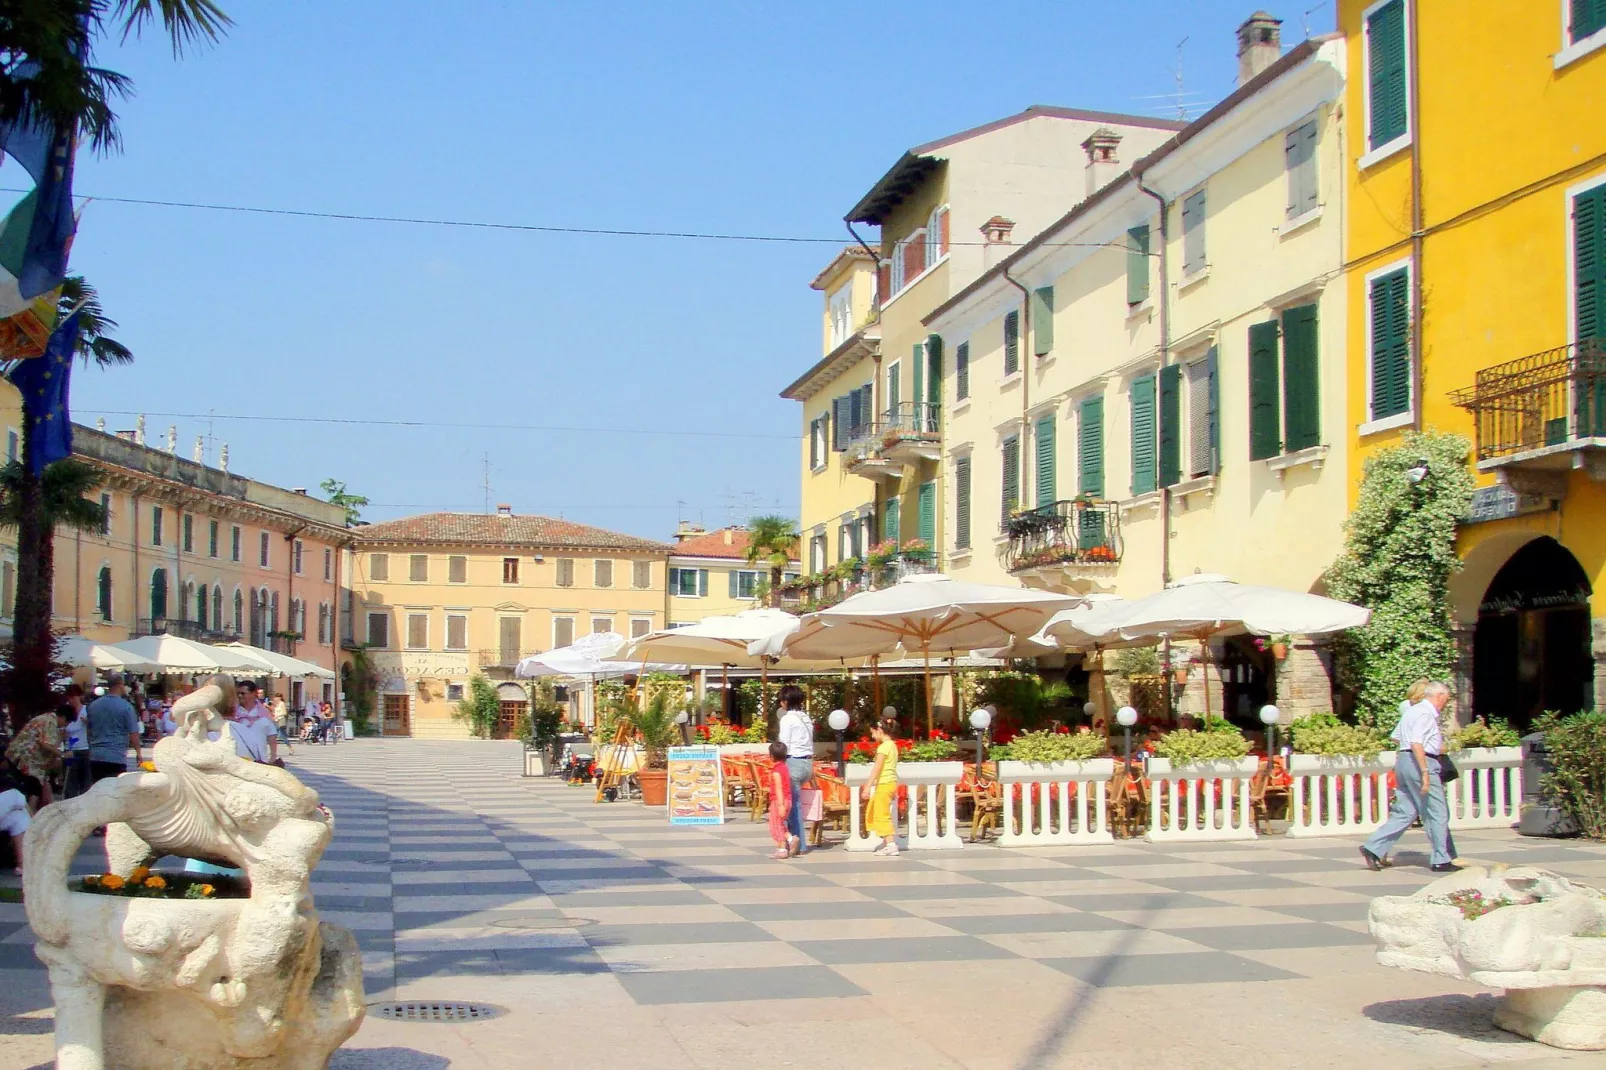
(762, 118)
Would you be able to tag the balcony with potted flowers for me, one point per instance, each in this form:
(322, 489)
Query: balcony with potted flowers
(911, 432)
(1065, 544)
(863, 456)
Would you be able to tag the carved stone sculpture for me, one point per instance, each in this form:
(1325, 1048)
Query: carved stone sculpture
(1528, 931)
(186, 984)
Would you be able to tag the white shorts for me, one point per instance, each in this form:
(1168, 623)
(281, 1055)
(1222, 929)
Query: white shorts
(14, 820)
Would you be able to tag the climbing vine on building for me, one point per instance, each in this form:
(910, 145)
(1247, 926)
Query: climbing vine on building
(1399, 555)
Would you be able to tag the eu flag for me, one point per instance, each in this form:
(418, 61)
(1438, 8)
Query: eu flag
(38, 232)
(42, 381)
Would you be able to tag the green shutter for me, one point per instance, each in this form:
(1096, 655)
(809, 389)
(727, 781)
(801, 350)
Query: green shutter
(1170, 425)
(1214, 390)
(1390, 301)
(702, 583)
(1589, 261)
(1090, 447)
(962, 503)
(1011, 480)
(962, 371)
(1011, 342)
(894, 389)
(891, 519)
(736, 583)
(1588, 17)
(934, 369)
(1143, 436)
(918, 394)
(928, 514)
(1385, 43)
(1265, 430)
(1302, 423)
(1045, 461)
(1042, 320)
(1137, 265)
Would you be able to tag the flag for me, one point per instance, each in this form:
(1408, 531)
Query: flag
(37, 233)
(43, 385)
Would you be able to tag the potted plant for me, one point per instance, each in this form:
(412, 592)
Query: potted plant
(1218, 750)
(1049, 755)
(657, 731)
(546, 724)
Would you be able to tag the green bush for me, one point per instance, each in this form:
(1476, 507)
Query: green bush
(481, 709)
(1323, 733)
(1054, 747)
(723, 735)
(1576, 745)
(1186, 745)
(932, 750)
(1137, 661)
(1494, 732)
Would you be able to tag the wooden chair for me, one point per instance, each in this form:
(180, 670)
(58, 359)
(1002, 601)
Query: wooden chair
(758, 797)
(837, 800)
(1258, 812)
(986, 798)
(738, 782)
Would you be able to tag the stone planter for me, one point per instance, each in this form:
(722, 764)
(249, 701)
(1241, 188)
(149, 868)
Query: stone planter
(1186, 804)
(1071, 802)
(536, 763)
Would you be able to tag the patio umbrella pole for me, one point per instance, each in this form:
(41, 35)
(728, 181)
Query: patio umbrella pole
(725, 694)
(927, 652)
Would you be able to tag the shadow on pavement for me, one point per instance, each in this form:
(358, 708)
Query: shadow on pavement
(1459, 1015)
(386, 1059)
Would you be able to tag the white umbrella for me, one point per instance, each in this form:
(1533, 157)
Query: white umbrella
(79, 652)
(719, 640)
(280, 664)
(922, 613)
(170, 653)
(1088, 626)
(591, 657)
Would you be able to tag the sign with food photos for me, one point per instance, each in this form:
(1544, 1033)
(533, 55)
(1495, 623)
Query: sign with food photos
(696, 789)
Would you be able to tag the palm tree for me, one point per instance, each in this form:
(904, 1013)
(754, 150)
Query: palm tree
(36, 505)
(772, 540)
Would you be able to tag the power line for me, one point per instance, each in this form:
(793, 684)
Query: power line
(351, 422)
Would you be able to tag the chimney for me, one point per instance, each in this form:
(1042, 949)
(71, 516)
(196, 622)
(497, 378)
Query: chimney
(1102, 162)
(1260, 43)
(730, 536)
(995, 236)
(299, 490)
(687, 530)
(504, 509)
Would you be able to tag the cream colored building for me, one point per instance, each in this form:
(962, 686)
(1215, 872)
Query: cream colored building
(1175, 403)
(709, 574)
(872, 415)
(442, 597)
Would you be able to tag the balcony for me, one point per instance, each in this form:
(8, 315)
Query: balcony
(501, 662)
(863, 456)
(184, 629)
(1540, 416)
(1064, 541)
(805, 594)
(911, 432)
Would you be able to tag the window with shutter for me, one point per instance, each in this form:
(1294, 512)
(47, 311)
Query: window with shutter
(565, 572)
(962, 503)
(894, 387)
(814, 443)
(1193, 234)
(418, 631)
(857, 417)
(1143, 435)
(264, 549)
(1090, 447)
(1299, 152)
(1170, 418)
(702, 583)
(562, 631)
(234, 545)
(510, 570)
(1137, 265)
(418, 568)
(641, 575)
(328, 563)
(892, 518)
(1389, 309)
(927, 502)
(156, 526)
(457, 569)
(1043, 438)
(933, 375)
(1301, 397)
(1387, 112)
(1011, 481)
(735, 583)
(378, 566)
(1043, 320)
(1585, 18)
(188, 528)
(639, 626)
(839, 423)
(1011, 343)
(456, 631)
(1200, 417)
(602, 572)
(1589, 261)
(962, 371)
(918, 394)
(1265, 425)
(211, 539)
(378, 625)
(866, 406)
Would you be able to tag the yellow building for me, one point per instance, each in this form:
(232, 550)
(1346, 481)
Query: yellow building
(871, 420)
(441, 597)
(1476, 244)
(710, 576)
(1134, 397)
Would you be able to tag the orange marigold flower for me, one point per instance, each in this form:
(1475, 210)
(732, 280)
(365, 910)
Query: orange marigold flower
(149, 767)
(208, 890)
(156, 883)
(139, 874)
(111, 881)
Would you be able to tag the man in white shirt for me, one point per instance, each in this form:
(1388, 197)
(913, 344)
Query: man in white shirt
(1418, 789)
(796, 731)
(256, 736)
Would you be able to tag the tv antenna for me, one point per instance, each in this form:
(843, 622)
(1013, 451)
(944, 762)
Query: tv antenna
(1180, 99)
(485, 480)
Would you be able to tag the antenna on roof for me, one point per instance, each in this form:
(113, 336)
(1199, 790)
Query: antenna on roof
(1182, 108)
(485, 481)
(1304, 19)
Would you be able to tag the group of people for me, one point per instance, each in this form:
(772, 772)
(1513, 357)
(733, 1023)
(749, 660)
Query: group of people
(792, 771)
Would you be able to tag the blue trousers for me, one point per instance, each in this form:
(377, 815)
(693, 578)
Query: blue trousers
(799, 771)
(1412, 799)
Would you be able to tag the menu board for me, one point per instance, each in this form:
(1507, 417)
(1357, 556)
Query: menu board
(696, 789)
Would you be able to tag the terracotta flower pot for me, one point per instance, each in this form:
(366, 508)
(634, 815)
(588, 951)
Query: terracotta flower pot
(654, 786)
(1279, 651)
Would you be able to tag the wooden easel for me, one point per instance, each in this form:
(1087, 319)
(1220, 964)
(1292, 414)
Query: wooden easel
(620, 749)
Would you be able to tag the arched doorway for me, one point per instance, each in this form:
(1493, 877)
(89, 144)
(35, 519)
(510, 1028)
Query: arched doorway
(512, 700)
(1531, 650)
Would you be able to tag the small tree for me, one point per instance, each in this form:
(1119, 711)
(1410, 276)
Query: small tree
(1399, 555)
(481, 709)
(772, 541)
(335, 492)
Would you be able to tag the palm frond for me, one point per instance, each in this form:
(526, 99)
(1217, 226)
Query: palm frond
(769, 535)
(94, 334)
(187, 22)
(62, 490)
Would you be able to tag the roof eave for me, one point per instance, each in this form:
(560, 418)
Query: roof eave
(859, 339)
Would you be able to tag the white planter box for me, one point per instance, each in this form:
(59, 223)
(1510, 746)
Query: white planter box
(1488, 794)
(1185, 804)
(1072, 803)
(1214, 768)
(930, 801)
(535, 763)
(1338, 794)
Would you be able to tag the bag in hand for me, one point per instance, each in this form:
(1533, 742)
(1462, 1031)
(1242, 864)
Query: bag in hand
(1447, 769)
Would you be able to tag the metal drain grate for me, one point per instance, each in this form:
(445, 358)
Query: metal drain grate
(436, 1011)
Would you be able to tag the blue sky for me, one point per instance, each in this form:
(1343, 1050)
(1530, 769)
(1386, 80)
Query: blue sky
(750, 118)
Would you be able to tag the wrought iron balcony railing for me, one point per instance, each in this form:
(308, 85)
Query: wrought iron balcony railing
(1080, 531)
(184, 629)
(1545, 399)
(911, 419)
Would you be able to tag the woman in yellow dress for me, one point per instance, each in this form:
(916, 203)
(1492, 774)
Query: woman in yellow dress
(882, 787)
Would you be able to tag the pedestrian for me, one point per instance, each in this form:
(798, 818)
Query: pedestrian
(326, 724)
(796, 735)
(35, 753)
(251, 718)
(781, 803)
(14, 819)
(113, 729)
(77, 733)
(1418, 785)
(882, 786)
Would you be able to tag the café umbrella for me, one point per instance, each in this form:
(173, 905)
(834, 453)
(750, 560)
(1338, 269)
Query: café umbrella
(172, 653)
(80, 652)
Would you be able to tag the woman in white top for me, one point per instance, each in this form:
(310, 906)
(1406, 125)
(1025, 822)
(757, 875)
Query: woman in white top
(1418, 789)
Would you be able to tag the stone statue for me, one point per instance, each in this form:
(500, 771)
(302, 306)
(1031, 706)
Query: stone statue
(186, 984)
(1528, 931)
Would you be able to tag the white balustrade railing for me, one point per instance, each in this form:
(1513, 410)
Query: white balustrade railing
(857, 775)
(1061, 803)
(1488, 793)
(931, 788)
(1338, 795)
(1186, 804)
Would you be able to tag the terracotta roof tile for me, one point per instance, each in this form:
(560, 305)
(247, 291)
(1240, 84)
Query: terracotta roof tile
(713, 544)
(481, 529)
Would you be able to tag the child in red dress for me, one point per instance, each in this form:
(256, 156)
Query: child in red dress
(780, 803)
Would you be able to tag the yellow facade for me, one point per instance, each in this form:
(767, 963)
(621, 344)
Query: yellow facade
(1502, 127)
(443, 597)
(710, 576)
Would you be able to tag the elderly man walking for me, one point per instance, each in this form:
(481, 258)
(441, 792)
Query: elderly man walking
(1418, 789)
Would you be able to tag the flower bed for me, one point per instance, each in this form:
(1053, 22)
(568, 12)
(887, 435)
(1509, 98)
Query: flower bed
(143, 884)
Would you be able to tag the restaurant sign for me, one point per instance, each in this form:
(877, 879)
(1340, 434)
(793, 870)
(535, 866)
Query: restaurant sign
(437, 665)
(1500, 502)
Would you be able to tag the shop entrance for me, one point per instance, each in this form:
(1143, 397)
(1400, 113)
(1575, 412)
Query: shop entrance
(1248, 681)
(1531, 650)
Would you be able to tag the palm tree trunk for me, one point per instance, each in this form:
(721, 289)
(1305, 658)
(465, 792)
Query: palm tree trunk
(32, 646)
(776, 579)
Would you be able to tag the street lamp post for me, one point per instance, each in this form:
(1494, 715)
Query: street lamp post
(980, 719)
(1269, 716)
(1126, 717)
(838, 720)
